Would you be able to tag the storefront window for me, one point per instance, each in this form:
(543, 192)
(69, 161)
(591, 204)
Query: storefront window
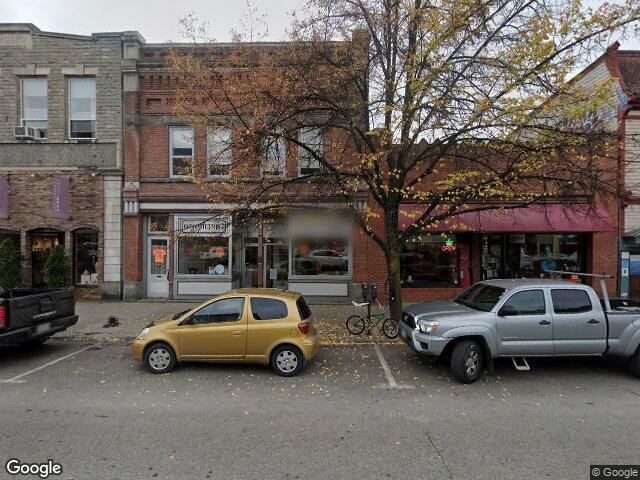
(532, 255)
(85, 256)
(429, 261)
(203, 256)
(320, 257)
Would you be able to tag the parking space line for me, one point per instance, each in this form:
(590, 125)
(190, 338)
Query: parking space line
(17, 378)
(385, 367)
(387, 372)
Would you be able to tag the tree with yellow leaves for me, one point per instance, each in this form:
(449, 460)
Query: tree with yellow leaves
(456, 106)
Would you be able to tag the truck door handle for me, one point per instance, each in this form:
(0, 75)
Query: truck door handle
(237, 333)
(544, 322)
(593, 321)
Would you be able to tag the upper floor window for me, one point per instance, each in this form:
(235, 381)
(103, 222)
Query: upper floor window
(275, 161)
(181, 151)
(82, 108)
(219, 151)
(312, 139)
(34, 105)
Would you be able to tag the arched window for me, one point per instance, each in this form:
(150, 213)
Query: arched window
(85, 256)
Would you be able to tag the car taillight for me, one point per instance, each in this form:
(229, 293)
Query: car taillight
(304, 328)
(3, 317)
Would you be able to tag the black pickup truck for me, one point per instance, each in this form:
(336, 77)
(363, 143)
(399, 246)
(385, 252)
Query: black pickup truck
(32, 316)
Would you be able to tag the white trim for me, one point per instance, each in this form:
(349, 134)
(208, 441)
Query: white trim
(266, 145)
(95, 133)
(46, 92)
(148, 274)
(171, 156)
(228, 234)
(301, 149)
(211, 132)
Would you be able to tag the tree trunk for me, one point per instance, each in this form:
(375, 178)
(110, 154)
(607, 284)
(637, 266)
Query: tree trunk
(394, 287)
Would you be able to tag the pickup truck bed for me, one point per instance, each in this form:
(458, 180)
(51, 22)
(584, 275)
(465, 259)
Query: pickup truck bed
(34, 315)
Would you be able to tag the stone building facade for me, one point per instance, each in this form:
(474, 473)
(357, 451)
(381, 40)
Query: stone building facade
(61, 152)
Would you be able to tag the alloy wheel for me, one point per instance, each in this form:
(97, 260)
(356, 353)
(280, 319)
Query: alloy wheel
(472, 363)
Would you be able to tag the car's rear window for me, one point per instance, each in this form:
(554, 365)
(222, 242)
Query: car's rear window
(268, 308)
(303, 308)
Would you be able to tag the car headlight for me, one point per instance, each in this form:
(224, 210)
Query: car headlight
(143, 333)
(428, 326)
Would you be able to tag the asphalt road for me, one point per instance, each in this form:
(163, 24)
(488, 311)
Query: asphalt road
(101, 416)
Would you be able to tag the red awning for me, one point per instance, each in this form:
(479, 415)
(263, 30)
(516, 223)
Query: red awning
(532, 219)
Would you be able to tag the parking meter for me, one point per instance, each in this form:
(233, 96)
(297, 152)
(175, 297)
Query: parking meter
(374, 291)
(365, 291)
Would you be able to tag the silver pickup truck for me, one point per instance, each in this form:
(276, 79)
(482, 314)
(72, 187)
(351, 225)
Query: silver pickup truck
(523, 318)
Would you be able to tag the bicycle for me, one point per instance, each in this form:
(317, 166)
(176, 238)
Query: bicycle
(357, 324)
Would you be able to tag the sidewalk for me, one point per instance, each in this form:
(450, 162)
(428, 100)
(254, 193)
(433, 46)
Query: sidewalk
(134, 316)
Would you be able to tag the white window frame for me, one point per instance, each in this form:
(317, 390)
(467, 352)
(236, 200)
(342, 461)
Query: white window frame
(172, 156)
(227, 233)
(267, 142)
(95, 120)
(24, 120)
(302, 151)
(213, 156)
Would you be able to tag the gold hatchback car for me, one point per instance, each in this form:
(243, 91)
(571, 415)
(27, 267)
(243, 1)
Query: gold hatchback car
(249, 325)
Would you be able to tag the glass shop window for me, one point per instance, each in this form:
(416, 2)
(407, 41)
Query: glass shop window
(429, 261)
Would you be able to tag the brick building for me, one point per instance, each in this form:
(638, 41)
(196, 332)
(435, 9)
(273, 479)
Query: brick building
(623, 68)
(293, 253)
(159, 201)
(61, 152)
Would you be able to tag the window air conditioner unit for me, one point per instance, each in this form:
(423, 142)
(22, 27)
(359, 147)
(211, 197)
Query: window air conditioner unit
(24, 133)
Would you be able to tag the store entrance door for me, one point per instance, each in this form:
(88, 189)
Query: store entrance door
(250, 272)
(158, 268)
(42, 242)
(276, 265)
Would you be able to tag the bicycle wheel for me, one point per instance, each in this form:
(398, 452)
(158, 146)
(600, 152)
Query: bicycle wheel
(390, 328)
(355, 324)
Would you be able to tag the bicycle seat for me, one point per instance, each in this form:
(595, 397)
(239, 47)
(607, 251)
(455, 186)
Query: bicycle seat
(359, 304)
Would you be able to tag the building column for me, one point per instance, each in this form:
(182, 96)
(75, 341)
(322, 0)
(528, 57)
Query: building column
(112, 238)
(133, 250)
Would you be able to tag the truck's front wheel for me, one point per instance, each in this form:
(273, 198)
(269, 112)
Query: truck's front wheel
(466, 361)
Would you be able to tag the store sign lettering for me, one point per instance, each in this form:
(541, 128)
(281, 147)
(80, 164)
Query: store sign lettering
(203, 226)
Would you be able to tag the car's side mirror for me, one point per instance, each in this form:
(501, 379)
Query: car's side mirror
(507, 311)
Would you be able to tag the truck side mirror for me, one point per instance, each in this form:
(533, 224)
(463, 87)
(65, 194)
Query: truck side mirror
(507, 311)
